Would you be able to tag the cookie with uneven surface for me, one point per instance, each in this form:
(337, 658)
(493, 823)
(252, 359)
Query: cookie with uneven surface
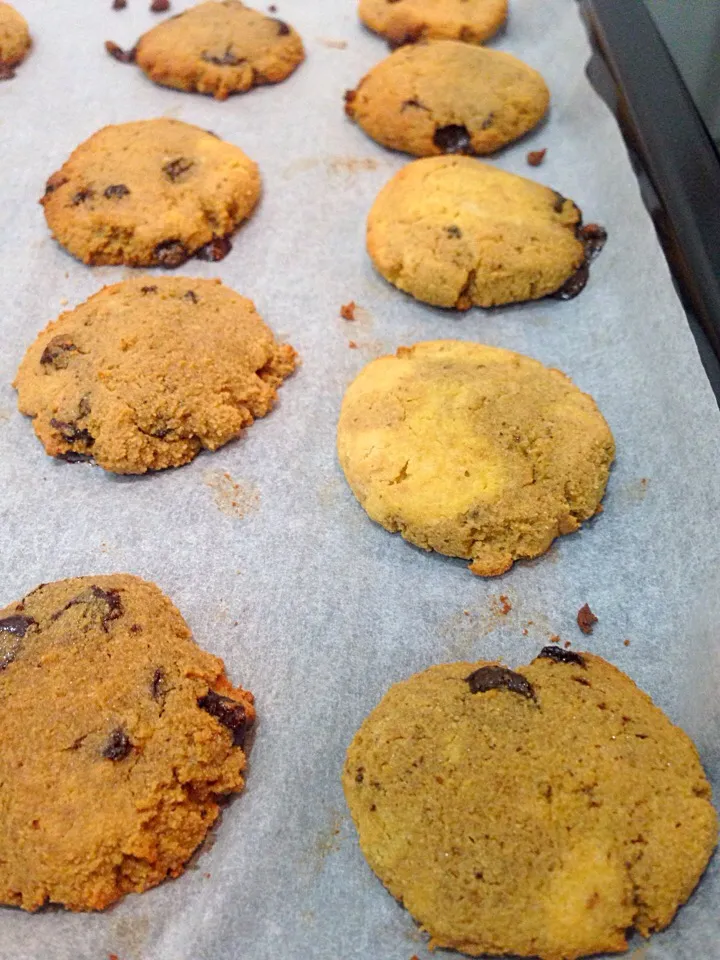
(448, 97)
(14, 40)
(457, 232)
(219, 48)
(473, 451)
(407, 21)
(541, 812)
(149, 372)
(120, 736)
(151, 193)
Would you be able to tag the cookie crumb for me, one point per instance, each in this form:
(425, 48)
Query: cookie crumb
(64, 301)
(207, 876)
(536, 157)
(116, 51)
(525, 632)
(466, 612)
(554, 638)
(586, 619)
(347, 311)
(352, 345)
(626, 643)
(567, 644)
(159, 6)
(505, 605)
(119, 4)
(333, 44)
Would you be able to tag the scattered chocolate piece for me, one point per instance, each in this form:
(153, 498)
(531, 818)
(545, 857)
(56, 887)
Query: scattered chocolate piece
(55, 353)
(6, 71)
(170, 253)
(118, 745)
(159, 6)
(176, 168)
(586, 619)
(158, 682)
(117, 190)
(217, 249)
(561, 656)
(122, 56)
(272, 8)
(536, 157)
(454, 138)
(229, 713)
(626, 643)
(347, 311)
(594, 238)
(494, 677)
(119, 4)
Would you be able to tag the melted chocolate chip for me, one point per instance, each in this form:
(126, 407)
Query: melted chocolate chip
(560, 201)
(118, 745)
(16, 624)
(574, 285)
(12, 631)
(227, 59)
(406, 104)
(171, 253)
(123, 56)
(593, 238)
(495, 677)
(561, 656)
(586, 619)
(282, 28)
(111, 598)
(157, 686)
(191, 296)
(176, 168)
(56, 352)
(117, 191)
(453, 138)
(453, 231)
(159, 6)
(7, 72)
(81, 196)
(229, 713)
(217, 249)
(71, 433)
(72, 456)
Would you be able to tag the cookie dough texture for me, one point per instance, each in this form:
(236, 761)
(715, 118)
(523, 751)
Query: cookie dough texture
(14, 36)
(473, 451)
(119, 737)
(448, 97)
(219, 48)
(149, 193)
(544, 815)
(457, 232)
(147, 373)
(406, 21)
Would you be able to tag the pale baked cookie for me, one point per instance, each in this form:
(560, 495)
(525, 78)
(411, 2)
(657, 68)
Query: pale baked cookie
(406, 21)
(473, 451)
(150, 193)
(148, 372)
(456, 232)
(119, 736)
(219, 48)
(540, 812)
(14, 40)
(448, 97)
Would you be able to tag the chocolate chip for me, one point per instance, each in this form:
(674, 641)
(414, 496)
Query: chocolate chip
(488, 121)
(17, 625)
(494, 677)
(282, 28)
(69, 431)
(81, 196)
(158, 683)
(217, 249)
(594, 238)
(191, 296)
(56, 352)
(54, 183)
(111, 599)
(72, 456)
(123, 56)
(561, 656)
(83, 407)
(7, 72)
(574, 285)
(454, 138)
(119, 4)
(151, 289)
(170, 253)
(586, 619)
(406, 104)
(227, 59)
(159, 6)
(118, 745)
(453, 231)
(229, 713)
(12, 630)
(176, 168)
(536, 157)
(117, 190)
(560, 202)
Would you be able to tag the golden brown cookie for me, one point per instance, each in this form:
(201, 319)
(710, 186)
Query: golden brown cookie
(219, 48)
(119, 736)
(14, 40)
(540, 812)
(147, 373)
(151, 193)
(473, 451)
(448, 97)
(406, 21)
(456, 232)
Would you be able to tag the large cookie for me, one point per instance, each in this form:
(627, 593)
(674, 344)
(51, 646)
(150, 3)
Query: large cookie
(456, 232)
(473, 451)
(448, 97)
(119, 736)
(219, 48)
(14, 39)
(406, 21)
(150, 193)
(148, 372)
(539, 812)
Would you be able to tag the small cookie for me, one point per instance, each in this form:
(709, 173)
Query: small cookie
(119, 736)
(150, 193)
(448, 97)
(456, 232)
(406, 21)
(540, 812)
(14, 40)
(219, 48)
(148, 372)
(473, 451)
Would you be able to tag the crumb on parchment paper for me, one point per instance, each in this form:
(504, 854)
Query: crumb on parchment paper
(347, 310)
(586, 619)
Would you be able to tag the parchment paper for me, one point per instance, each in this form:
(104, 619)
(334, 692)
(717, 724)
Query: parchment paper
(312, 606)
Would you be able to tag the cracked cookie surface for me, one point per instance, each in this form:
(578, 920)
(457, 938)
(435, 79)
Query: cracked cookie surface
(120, 735)
(150, 193)
(447, 97)
(406, 21)
(457, 232)
(148, 372)
(473, 451)
(539, 812)
(219, 48)
(14, 37)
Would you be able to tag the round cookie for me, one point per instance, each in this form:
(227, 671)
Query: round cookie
(448, 97)
(456, 232)
(14, 40)
(148, 372)
(539, 812)
(219, 48)
(119, 737)
(150, 193)
(406, 21)
(473, 451)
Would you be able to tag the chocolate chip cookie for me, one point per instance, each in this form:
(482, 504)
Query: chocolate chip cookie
(544, 811)
(219, 48)
(150, 193)
(448, 97)
(147, 373)
(407, 21)
(473, 451)
(14, 40)
(119, 737)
